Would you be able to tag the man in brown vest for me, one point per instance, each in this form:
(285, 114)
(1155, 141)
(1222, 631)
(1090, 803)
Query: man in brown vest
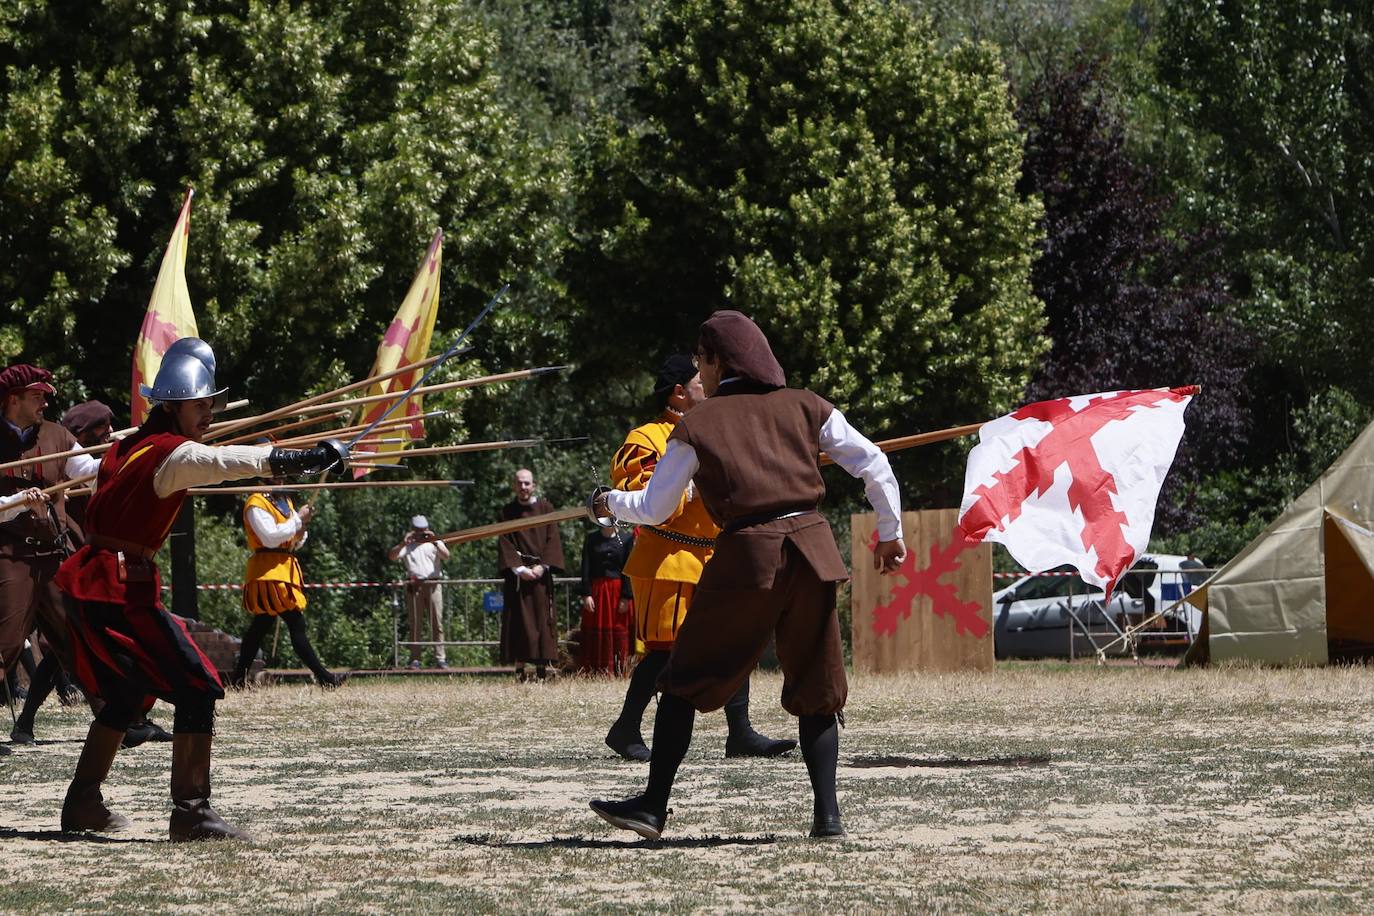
(751, 449)
(32, 543)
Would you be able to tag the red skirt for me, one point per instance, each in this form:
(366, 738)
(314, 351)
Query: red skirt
(605, 631)
(121, 650)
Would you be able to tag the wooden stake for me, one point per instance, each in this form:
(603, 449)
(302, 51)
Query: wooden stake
(335, 485)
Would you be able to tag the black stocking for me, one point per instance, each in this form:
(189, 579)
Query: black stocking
(820, 747)
(672, 737)
(295, 623)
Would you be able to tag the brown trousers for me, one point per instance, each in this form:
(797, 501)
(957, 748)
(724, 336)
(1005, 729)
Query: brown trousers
(726, 631)
(30, 599)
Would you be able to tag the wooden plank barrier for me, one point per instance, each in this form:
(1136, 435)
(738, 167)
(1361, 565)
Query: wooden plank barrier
(933, 615)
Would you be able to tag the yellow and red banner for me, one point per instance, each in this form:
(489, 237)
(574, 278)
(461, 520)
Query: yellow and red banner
(406, 341)
(169, 317)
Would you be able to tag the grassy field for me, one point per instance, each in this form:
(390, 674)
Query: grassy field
(1036, 788)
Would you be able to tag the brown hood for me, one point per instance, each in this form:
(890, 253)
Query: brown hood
(739, 344)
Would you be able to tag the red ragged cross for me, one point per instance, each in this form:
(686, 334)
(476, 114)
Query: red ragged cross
(944, 598)
(1091, 489)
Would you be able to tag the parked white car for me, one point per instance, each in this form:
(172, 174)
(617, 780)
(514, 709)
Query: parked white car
(1032, 616)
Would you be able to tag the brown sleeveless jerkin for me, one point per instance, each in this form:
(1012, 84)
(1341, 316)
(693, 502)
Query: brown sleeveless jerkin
(757, 450)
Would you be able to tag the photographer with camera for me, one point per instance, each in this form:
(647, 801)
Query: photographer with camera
(423, 556)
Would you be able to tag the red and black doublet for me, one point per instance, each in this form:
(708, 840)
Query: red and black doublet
(127, 648)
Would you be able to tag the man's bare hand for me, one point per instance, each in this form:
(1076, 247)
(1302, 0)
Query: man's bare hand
(34, 499)
(589, 604)
(306, 512)
(888, 556)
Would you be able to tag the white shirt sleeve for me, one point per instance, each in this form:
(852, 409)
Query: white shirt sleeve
(11, 506)
(194, 465)
(271, 533)
(660, 499)
(81, 466)
(852, 451)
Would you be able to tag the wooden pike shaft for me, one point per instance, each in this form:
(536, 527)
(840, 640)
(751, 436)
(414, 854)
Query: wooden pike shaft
(298, 407)
(904, 442)
(357, 427)
(232, 405)
(517, 524)
(68, 484)
(285, 427)
(88, 450)
(449, 449)
(434, 389)
(336, 485)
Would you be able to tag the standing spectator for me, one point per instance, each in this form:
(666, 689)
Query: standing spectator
(273, 587)
(1194, 571)
(606, 601)
(424, 557)
(527, 561)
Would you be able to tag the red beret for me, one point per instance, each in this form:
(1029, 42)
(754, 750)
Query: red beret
(22, 377)
(83, 416)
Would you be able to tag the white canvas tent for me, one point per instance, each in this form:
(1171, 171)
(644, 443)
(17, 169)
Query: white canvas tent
(1303, 591)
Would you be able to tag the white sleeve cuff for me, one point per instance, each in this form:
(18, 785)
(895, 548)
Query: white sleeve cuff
(659, 500)
(852, 451)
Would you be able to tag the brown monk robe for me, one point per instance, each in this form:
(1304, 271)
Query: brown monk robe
(527, 561)
(751, 450)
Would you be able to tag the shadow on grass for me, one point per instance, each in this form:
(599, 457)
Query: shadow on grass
(1032, 760)
(57, 836)
(577, 842)
(44, 742)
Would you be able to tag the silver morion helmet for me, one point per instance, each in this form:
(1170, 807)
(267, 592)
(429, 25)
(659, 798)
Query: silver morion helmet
(187, 373)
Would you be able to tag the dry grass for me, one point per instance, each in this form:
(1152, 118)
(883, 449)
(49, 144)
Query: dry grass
(1236, 790)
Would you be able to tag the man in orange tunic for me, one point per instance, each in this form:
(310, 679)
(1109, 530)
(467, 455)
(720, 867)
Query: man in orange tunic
(664, 569)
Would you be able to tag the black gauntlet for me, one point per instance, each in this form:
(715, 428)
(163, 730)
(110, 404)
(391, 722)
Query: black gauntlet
(329, 455)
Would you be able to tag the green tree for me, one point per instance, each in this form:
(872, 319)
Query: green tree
(829, 170)
(1284, 95)
(325, 144)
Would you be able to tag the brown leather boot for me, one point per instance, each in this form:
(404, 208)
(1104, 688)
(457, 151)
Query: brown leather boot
(84, 807)
(192, 816)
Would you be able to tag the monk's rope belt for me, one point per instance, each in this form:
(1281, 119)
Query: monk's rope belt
(686, 539)
(749, 521)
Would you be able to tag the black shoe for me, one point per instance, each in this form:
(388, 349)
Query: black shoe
(330, 680)
(21, 735)
(827, 828)
(752, 744)
(627, 742)
(631, 815)
(136, 734)
(156, 732)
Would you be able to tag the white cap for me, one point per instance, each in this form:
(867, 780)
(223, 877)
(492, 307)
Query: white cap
(420, 522)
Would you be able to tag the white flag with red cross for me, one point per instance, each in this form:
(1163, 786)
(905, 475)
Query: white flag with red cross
(1074, 481)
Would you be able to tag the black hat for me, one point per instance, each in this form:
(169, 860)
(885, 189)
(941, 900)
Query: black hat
(678, 369)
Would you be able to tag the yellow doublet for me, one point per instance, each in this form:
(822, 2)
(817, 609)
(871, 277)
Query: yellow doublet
(663, 573)
(273, 583)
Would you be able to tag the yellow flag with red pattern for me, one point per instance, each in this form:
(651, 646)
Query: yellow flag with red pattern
(169, 317)
(406, 341)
